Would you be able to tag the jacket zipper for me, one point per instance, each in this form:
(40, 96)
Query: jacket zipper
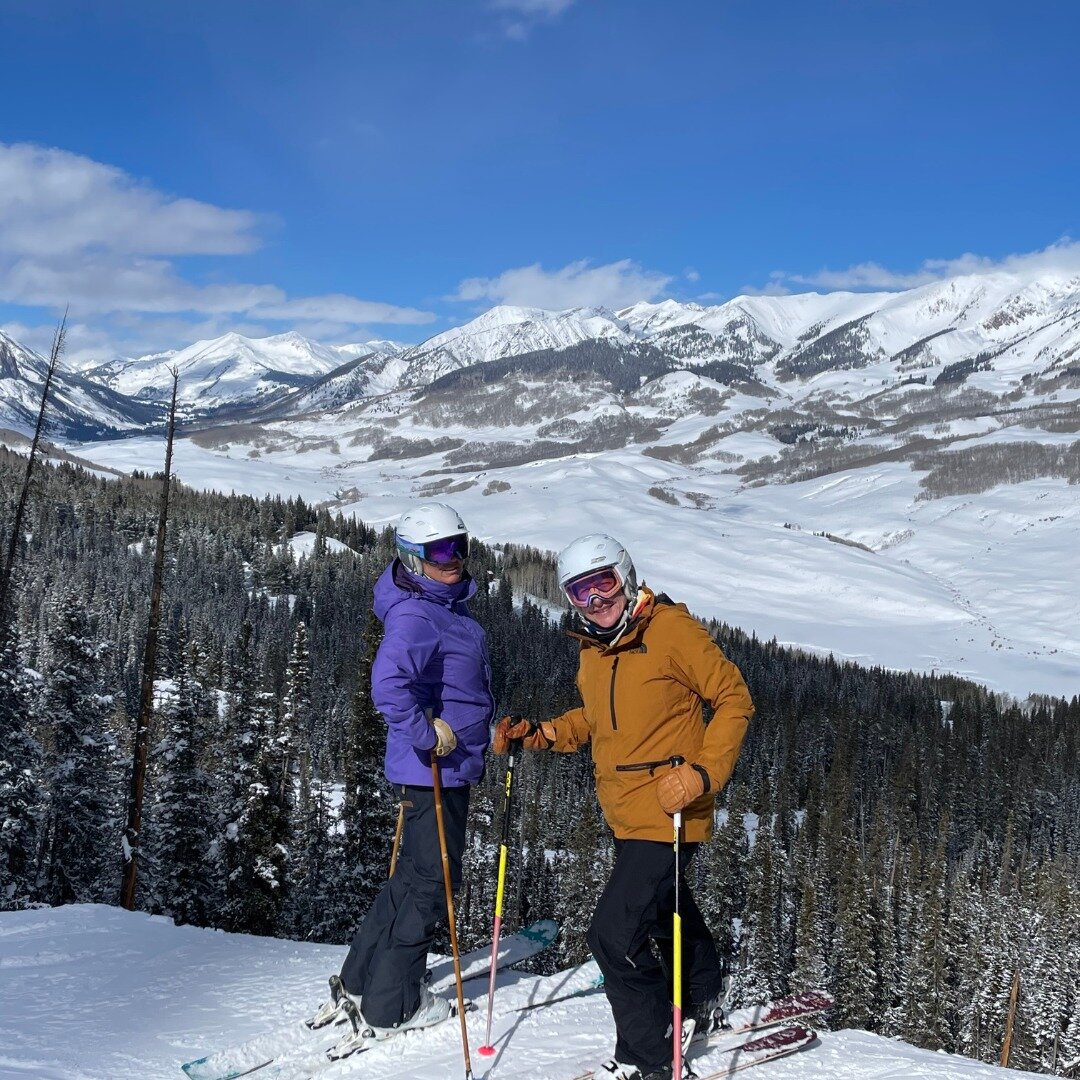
(614, 722)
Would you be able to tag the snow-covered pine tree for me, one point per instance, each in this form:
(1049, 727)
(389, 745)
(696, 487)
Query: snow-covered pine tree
(20, 778)
(81, 854)
(313, 870)
(588, 867)
(476, 902)
(926, 999)
(178, 831)
(370, 808)
(809, 971)
(725, 869)
(759, 976)
(853, 980)
(258, 886)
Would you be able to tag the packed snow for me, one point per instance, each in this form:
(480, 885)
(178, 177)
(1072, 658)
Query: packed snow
(89, 992)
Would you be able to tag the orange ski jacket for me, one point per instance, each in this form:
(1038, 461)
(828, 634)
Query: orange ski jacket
(643, 703)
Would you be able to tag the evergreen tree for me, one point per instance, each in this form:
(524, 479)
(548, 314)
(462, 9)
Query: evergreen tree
(20, 778)
(760, 976)
(369, 809)
(258, 883)
(178, 832)
(853, 977)
(82, 857)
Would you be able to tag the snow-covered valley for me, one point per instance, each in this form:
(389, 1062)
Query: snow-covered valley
(889, 477)
(976, 585)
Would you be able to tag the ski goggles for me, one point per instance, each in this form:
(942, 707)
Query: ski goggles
(603, 584)
(444, 550)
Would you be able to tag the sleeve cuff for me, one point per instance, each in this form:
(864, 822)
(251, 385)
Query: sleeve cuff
(704, 773)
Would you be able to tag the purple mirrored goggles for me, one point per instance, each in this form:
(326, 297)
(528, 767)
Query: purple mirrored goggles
(444, 550)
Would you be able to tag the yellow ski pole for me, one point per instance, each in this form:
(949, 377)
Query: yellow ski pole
(508, 789)
(676, 953)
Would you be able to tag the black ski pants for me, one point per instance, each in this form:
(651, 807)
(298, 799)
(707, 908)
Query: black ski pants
(388, 956)
(635, 911)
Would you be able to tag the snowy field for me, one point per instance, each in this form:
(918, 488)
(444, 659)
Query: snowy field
(89, 992)
(982, 586)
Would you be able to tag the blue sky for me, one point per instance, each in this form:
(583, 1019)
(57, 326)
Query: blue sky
(385, 169)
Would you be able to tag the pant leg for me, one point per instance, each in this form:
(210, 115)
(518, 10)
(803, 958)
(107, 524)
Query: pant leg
(626, 918)
(386, 962)
(702, 974)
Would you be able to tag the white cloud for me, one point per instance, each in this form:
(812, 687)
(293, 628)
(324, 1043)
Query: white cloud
(526, 13)
(342, 309)
(613, 285)
(547, 8)
(1061, 257)
(79, 233)
(56, 203)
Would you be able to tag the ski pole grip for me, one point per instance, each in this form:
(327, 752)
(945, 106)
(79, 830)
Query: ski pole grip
(676, 761)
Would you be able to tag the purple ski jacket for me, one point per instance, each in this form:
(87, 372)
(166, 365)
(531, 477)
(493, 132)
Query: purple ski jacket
(433, 656)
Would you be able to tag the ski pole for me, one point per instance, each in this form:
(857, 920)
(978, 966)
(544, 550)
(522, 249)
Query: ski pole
(436, 783)
(676, 952)
(508, 789)
(397, 833)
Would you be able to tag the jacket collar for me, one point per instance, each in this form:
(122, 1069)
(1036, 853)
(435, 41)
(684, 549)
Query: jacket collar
(436, 591)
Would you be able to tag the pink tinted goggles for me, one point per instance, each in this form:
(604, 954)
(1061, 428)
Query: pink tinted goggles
(603, 584)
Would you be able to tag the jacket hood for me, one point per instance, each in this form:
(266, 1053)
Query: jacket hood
(396, 585)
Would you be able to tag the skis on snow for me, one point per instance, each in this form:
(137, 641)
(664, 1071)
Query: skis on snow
(773, 1019)
(778, 1011)
(264, 1056)
(773, 1044)
(768, 1047)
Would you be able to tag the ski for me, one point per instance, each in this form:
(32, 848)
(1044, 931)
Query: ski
(767, 1047)
(253, 1058)
(750, 1052)
(778, 1011)
(360, 1040)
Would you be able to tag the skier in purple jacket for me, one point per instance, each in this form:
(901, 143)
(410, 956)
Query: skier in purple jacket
(431, 680)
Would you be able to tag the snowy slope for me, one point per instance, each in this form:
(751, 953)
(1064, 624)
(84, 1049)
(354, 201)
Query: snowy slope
(90, 992)
(973, 585)
(380, 347)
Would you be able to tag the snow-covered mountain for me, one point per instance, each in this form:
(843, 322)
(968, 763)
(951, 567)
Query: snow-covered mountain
(182, 991)
(78, 407)
(226, 372)
(359, 349)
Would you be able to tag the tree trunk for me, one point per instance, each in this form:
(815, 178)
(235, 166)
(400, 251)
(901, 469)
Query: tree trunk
(1014, 994)
(146, 695)
(20, 508)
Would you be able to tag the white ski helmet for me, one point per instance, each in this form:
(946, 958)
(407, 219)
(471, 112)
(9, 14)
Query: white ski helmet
(595, 552)
(420, 526)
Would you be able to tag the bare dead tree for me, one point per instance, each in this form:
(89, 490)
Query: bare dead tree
(146, 693)
(1014, 994)
(24, 493)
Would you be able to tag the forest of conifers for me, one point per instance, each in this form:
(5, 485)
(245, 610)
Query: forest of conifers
(909, 843)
